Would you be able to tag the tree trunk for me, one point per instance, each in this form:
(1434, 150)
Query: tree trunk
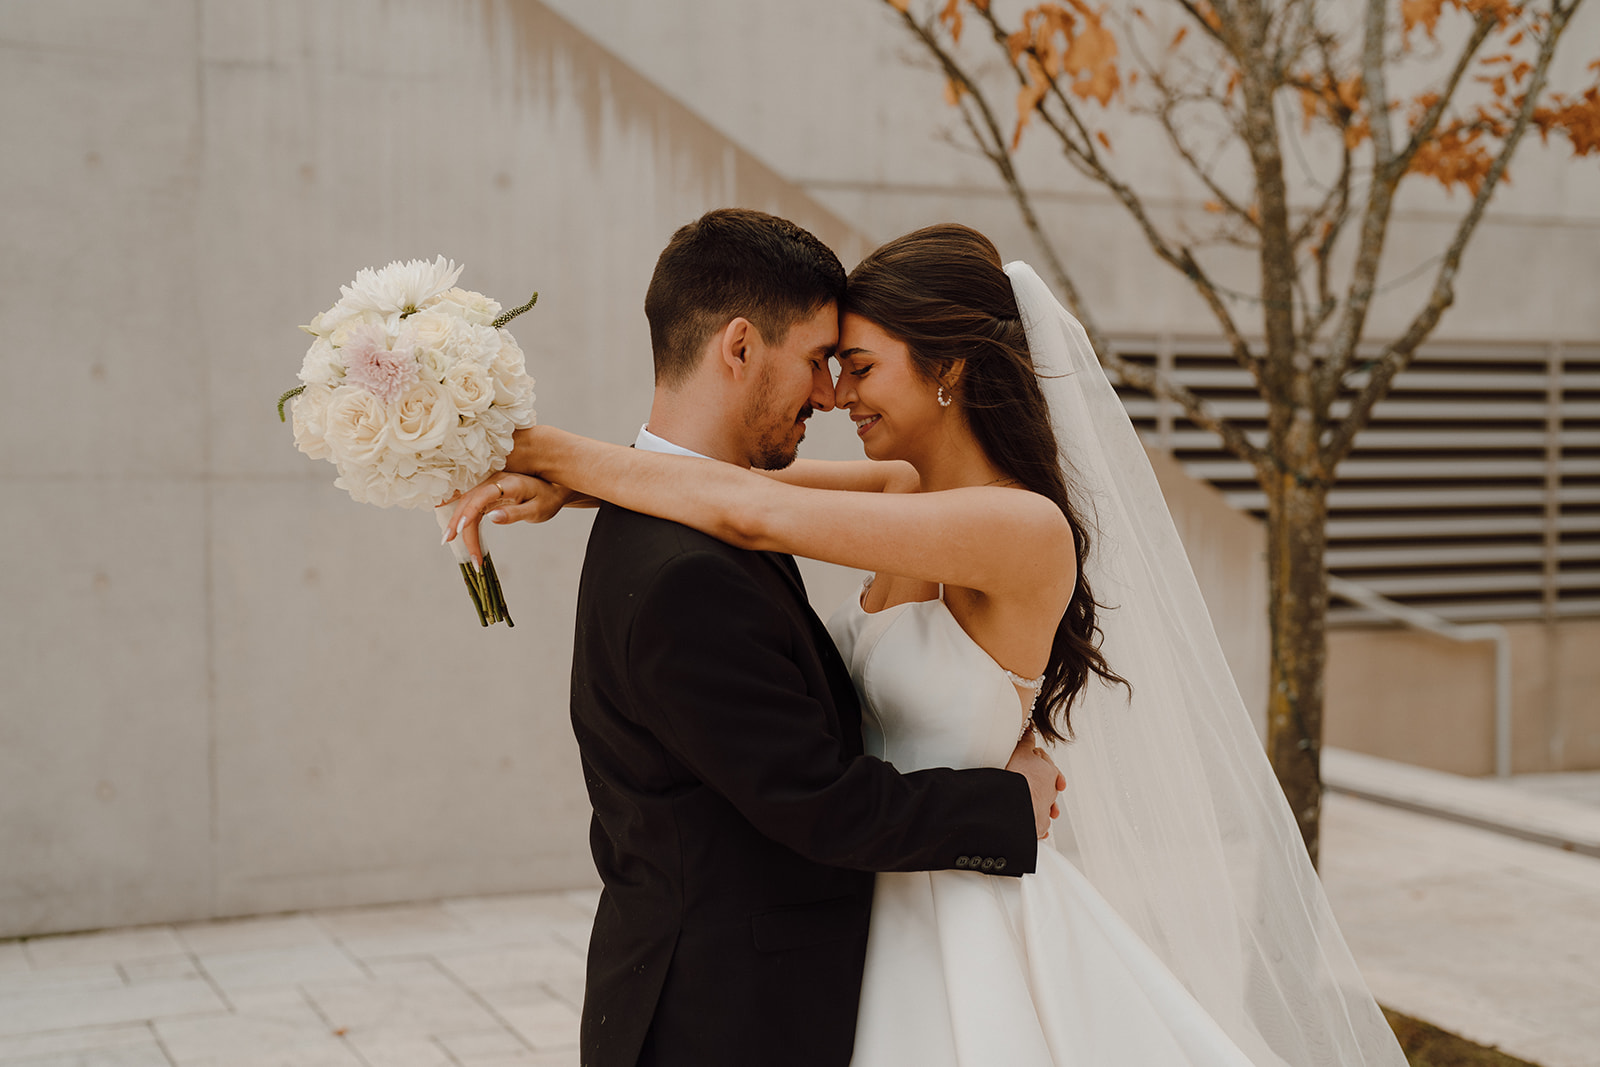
(1298, 615)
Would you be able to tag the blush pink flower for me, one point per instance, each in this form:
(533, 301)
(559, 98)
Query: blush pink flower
(370, 363)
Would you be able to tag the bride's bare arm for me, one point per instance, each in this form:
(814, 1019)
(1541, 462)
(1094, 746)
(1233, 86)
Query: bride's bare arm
(996, 540)
(853, 476)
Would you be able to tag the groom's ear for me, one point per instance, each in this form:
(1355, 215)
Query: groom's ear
(734, 345)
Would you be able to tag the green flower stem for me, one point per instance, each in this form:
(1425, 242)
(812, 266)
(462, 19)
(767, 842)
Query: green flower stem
(492, 580)
(472, 590)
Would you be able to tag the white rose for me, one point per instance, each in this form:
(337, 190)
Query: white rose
(322, 365)
(422, 418)
(311, 421)
(432, 364)
(357, 432)
(470, 387)
(432, 329)
(466, 304)
(513, 389)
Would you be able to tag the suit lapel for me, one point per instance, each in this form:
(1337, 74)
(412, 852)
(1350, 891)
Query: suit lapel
(833, 665)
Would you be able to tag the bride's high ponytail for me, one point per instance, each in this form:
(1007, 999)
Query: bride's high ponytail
(943, 291)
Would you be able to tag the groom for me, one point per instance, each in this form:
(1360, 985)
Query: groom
(737, 822)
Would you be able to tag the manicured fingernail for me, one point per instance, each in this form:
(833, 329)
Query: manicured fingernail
(445, 540)
(497, 516)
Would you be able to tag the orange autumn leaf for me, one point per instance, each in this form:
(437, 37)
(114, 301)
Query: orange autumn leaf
(950, 15)
(902, 6)
(1063, 40)
(1576, 116)
(1177, 38)
(1213, 206)
(953, 91)
(1424, 13)
(1100, 135)
(1029, 97)
(1092, 61)
(1455, 155)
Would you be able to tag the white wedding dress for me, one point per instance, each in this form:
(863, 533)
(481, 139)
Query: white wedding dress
(1178, 920)
(970, 969)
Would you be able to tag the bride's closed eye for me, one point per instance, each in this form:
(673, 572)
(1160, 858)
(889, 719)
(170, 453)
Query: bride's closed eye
(860, 372)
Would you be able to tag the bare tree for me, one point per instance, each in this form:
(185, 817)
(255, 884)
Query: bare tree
(1234, 67)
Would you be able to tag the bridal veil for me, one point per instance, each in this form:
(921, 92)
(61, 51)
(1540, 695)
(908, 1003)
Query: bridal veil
(1171, 808)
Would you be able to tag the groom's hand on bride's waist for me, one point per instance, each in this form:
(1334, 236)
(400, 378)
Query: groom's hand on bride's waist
(1045, 782)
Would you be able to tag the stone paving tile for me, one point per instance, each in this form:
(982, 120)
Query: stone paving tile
(234, 971)
(540, 1018)
(12, 958)
(406, 1050)
(285, 1034)
(410, 931)
(1487, 936)
(61, 1009)
(71, 1046)
(477, 1047)
(556, 965)
(60, 979)
(166, 967)
(104, 946)
(252, 935)
(148, 1055)
(403, 998)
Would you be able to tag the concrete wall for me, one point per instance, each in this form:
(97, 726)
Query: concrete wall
(1228, 551)
(1422, 699)
(855, 116)
(224, 687)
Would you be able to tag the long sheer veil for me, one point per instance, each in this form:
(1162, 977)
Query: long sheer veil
(1171, 807)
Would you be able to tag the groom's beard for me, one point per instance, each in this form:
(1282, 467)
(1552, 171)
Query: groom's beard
(779, 437)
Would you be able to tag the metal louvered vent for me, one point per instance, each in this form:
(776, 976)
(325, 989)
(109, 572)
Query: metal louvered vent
(1474, 493)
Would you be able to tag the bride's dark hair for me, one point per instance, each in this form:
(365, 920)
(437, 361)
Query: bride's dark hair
(943, 291)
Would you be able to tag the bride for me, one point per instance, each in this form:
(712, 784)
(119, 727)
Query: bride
(1178, 920)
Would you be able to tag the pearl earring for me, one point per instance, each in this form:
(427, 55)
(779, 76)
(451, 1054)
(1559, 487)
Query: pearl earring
(944, 399)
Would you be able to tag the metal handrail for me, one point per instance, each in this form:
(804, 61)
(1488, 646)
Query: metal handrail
(1426, 620)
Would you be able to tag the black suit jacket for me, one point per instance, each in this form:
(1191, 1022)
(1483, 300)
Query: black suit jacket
(736, 821)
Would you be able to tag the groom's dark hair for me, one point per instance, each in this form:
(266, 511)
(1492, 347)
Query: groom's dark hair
(733, 263)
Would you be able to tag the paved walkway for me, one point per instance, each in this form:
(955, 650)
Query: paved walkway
(1487, 934)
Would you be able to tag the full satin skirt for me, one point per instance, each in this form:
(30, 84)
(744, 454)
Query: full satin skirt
(970, 970)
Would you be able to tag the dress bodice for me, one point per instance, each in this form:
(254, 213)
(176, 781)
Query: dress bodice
(930, 695)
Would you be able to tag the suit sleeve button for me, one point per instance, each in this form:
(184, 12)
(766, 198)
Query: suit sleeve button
(961, 862)
(1000, 863)
(988, 864)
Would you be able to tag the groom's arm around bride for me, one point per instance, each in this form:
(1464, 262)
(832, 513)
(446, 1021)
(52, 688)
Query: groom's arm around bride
(737, 821)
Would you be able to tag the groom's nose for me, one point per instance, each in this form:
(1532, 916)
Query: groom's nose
(822, 389)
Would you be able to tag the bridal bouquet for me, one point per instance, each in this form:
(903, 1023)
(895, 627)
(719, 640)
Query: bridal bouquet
(412, 389)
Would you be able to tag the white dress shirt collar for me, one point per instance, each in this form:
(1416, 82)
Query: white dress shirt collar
(649, 442)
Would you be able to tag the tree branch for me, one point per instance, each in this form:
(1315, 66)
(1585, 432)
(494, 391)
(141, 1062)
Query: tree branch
(1398, 354)
(1380, 194)
(995, 147)
(1087, 159)
(1430, 118)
